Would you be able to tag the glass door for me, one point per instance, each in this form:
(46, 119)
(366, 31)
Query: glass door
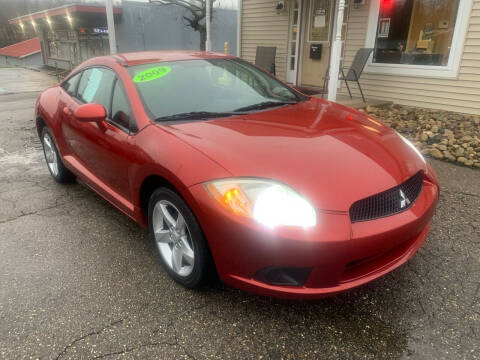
(293, 41)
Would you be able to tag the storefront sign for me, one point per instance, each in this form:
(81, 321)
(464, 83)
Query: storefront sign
(100, 30)
(384, 28)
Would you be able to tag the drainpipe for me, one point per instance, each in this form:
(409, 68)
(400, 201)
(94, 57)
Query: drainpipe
(208, 43)
(336, 53)
(111, 27)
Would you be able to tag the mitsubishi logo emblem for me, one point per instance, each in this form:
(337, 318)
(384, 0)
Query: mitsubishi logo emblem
(404, 201)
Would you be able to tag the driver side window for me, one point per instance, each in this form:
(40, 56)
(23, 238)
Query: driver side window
(96, 86)
(121, 111)
(70, 85)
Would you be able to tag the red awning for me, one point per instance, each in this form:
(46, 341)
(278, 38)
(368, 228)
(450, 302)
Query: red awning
(22, 49)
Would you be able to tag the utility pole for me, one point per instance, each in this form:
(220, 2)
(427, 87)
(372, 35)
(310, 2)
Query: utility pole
(111, 27)
(208, 43)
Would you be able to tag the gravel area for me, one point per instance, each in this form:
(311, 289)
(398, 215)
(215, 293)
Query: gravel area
(443, 135)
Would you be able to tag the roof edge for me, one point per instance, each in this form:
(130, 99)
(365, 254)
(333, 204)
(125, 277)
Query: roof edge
(27, 55)
(22, 49)
(60, 10)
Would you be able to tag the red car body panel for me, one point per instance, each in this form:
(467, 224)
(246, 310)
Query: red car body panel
(313, 146)
(342, 255)
(331, 154)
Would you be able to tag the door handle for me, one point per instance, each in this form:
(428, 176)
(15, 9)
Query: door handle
(67, 111)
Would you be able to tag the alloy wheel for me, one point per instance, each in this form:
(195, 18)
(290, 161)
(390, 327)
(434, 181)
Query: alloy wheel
(50, 154)
(173, 238)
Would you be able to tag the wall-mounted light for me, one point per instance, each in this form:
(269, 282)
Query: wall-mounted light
(280, 6)
(22, 26)
(34, 24)
(69, 19)
(49, 21)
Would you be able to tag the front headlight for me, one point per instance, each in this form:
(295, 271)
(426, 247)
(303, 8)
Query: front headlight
(265, 201)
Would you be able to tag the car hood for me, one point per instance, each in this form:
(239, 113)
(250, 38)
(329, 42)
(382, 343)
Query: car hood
(331, 154)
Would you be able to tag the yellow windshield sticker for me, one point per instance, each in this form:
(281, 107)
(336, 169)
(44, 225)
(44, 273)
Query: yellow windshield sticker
(152, 74)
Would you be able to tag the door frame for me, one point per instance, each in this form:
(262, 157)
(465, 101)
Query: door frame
(293, 74)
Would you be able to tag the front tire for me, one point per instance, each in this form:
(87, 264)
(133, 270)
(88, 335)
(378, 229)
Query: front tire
(54, 162)
(177, 236)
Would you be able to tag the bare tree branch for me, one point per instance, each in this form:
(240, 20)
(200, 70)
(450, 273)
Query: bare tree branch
(198, 11)
(185, 4)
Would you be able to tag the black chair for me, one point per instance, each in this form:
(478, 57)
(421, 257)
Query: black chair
(354, 73)
(265, 58)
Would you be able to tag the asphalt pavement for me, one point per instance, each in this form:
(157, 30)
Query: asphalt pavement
(79, 280)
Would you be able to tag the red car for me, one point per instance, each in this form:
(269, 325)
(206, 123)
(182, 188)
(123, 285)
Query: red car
(231, 170)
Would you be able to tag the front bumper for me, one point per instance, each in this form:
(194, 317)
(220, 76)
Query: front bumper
(341, 255)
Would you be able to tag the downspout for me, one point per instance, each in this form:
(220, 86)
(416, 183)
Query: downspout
(336, 54)
(239, 28)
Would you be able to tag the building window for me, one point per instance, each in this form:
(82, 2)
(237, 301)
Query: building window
(319, 22)
(415, 32)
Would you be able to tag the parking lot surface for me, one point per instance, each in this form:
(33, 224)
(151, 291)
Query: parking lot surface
(80, 280)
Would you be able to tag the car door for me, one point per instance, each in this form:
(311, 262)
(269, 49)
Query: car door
(103, 148)
(94, 85)
(66, 99)
(120, 143)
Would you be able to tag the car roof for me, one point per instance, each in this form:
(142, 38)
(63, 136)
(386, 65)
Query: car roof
(145, 57)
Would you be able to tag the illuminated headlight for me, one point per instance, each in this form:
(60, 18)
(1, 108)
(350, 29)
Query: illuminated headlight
(268, 202)
(406, 141)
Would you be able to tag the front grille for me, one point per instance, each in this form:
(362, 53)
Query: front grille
(389, 202)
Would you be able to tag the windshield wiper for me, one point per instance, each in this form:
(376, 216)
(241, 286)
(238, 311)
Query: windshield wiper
(266, 105)
(198, 115)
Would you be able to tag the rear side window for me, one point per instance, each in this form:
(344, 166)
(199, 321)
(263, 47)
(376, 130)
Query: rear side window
(96, 86)
(70, 86)
(121, 112)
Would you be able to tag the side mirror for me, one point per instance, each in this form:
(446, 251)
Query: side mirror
(90, 113)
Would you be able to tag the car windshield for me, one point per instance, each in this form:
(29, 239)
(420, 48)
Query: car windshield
(207, 87)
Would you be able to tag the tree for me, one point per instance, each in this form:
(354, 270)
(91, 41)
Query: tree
(197, 12)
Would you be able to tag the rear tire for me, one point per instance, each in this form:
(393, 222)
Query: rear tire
(178, 238)
(53, 159)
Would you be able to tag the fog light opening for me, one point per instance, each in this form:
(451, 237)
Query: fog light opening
(283, 276)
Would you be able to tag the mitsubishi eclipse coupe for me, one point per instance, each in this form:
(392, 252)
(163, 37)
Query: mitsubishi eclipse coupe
(233, 171)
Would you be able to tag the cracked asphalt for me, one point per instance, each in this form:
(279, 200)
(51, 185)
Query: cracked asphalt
(79, 280)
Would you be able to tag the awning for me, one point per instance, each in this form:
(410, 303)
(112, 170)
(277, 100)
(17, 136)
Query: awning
(78, 15)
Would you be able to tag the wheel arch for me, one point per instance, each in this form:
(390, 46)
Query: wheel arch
(153, 182)
(40, 123)
(148, 186)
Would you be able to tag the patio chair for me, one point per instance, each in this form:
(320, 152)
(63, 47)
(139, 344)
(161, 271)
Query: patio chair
(265, 58)
(354, 73)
